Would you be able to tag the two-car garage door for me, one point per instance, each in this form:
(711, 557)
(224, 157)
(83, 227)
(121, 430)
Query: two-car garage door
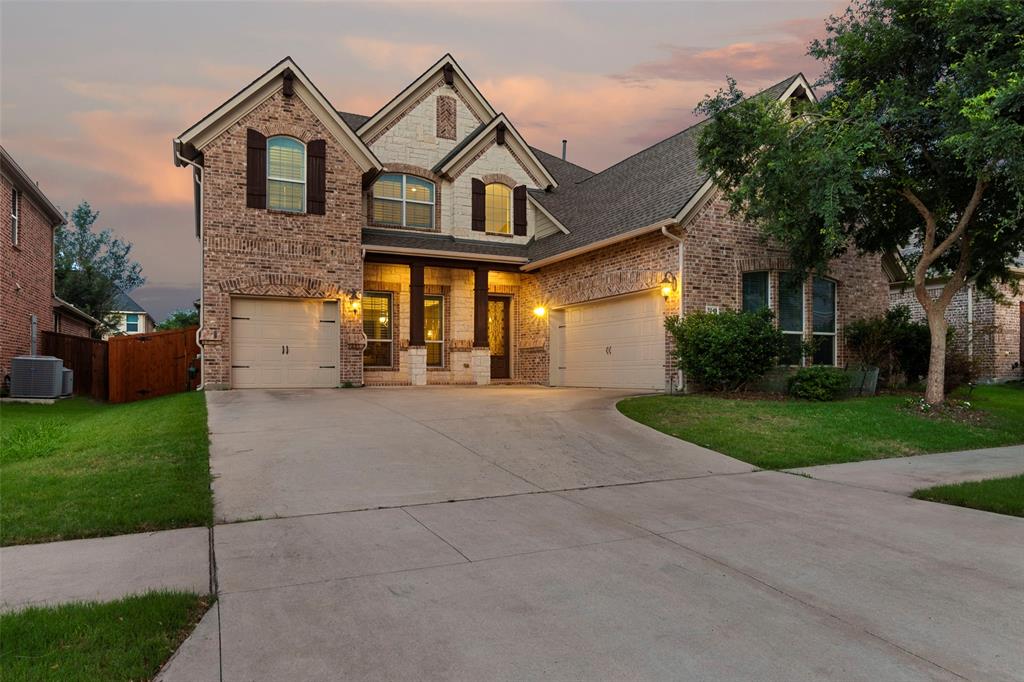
(614, 343)
(284, 343)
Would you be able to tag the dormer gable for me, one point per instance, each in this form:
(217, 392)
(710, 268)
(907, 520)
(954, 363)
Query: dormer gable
(501, 133)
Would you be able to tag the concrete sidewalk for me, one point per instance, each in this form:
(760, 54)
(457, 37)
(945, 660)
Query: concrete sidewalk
(104, 569)
(904, 475)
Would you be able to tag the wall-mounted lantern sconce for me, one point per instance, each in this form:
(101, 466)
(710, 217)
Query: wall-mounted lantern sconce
(354, 297)
(668, 285)
(540, 311)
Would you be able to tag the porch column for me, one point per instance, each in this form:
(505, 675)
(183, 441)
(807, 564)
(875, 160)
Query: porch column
(417, 346)
(481, 357)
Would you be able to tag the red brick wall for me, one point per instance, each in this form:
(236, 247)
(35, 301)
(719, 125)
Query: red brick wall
(66, 324)
(26, 276)
(248, 251)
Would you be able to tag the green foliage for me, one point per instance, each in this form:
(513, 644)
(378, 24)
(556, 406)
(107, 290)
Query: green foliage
(999, 495)
(90, 267)
(126, 639)
(180, 319)
(961, 370)
(819, 383)
(893, 342)
(724, 351)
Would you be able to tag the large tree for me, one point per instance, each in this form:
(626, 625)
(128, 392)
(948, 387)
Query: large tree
(917, 145)
(179, 319)
(92, 266)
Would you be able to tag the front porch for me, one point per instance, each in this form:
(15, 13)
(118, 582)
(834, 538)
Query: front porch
(434, 322)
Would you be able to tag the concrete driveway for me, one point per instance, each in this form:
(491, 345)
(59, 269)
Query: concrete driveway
(583, 547)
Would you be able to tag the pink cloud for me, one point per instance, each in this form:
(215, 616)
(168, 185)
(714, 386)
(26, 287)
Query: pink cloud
(391, 54)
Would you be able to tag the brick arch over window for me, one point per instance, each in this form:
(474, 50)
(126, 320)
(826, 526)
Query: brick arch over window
(499, 178)
(760, 263)
(280, 284)
(286, 129)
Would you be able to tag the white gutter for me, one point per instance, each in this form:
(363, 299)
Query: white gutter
(654, 227)
(455, 255)
(197, 176)
(682, 245)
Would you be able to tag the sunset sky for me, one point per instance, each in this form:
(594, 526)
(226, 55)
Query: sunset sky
(93, 93)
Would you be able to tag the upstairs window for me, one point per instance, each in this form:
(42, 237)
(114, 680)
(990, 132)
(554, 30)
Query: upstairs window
(286, 174)
(15, 220)
(498, 208)
(403, 201)
(131, 324)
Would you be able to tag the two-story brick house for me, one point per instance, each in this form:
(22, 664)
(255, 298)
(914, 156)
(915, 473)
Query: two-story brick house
(26, 267)
(430, 243)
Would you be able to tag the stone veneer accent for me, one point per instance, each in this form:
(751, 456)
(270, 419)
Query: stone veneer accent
(259, 252)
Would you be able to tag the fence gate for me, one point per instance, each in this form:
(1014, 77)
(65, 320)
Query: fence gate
(149, 365)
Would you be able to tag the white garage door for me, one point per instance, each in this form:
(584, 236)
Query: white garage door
(284, 343)
(617, 343)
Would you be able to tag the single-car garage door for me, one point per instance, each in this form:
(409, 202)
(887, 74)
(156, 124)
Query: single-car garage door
(615, 343)
(284, 343)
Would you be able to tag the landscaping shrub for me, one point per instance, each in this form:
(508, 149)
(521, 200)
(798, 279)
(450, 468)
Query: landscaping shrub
(961, 370)
(819, 383)
(724, 351)
(893, 342)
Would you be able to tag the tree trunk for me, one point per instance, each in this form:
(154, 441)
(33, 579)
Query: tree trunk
(935, 390)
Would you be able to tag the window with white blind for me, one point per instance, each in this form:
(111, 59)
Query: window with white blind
(286, 174)
(791, 316)
(403, 201)
(498, 207)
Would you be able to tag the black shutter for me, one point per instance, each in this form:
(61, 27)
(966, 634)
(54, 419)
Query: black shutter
(519, 210)
(479, 210)
(256, 170)
(316, 177)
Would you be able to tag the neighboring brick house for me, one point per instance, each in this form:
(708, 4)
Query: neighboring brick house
(430, 244)
(128, 317)
(986, 328)
(26, 280)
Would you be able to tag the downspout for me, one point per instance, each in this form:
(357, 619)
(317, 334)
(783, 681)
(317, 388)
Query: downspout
(680, 377)
(197, 176)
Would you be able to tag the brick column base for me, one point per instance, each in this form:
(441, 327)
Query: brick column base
(480, 361)
(417, 359)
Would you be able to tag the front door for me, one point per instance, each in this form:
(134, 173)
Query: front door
(498, 335)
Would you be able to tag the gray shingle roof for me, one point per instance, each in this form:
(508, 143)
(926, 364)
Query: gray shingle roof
(465, 142)
(439, 242)
(125, 304)
(653, 184)
(353, 120)
(565, 172)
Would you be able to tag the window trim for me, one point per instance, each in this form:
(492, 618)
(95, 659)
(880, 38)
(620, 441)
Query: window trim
(803, 316)
(835, 317)
(15, 216)
(441, 341)
(511, 212)
(403, 200)
(391, 317)
(303, 182)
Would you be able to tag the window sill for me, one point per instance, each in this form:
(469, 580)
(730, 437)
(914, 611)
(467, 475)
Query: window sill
(278, 211)
(386, 226)
(500, 234)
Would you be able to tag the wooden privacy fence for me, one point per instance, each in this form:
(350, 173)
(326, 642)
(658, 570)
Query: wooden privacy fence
(86, 357)
(148, 365)
(127, 368)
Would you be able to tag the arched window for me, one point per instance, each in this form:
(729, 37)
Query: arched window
(286, 174)
(498, 208)
(403, 201)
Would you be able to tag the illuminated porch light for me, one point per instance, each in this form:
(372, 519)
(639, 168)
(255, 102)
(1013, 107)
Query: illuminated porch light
(668, 285)
(539, 311)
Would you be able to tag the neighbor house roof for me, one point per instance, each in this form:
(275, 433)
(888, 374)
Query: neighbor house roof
(28, 186)
(642, 191)
(123, 303)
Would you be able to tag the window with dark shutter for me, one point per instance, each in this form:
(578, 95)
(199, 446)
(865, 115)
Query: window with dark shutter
(256, 170)
(519, 210)
(479, 206)
(316, 177)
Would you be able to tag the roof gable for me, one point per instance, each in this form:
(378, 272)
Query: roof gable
(254, 94)
(430, 78)
(455, 161)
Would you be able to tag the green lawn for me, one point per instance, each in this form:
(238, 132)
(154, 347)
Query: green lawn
(999, 495)
(84, 469)
(127, 639)
(779, 434)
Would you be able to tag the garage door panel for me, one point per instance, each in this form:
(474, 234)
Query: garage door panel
(270, 325)
(618, 343)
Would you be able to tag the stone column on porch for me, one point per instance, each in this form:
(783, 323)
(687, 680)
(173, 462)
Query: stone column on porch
(417, 356)
(481, 355)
